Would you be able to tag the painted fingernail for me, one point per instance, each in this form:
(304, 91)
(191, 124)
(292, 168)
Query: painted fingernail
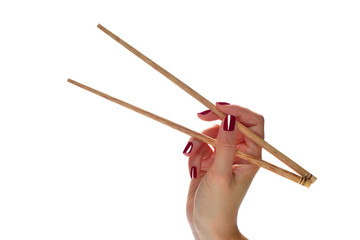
(223, 103)
(205, 112)
(229, 123)
(188, 148)
(193, 173)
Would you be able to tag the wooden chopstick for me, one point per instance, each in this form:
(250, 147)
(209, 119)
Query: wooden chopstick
(199, 136)
(258, 140)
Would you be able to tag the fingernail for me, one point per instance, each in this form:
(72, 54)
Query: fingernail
(205, 112)
(229, 123)
(223, 103)
(188, 148)
(193, 173)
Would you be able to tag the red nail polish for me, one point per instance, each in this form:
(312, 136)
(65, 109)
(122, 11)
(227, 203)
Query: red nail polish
(223, 103)
(188, 148)
(205, 112)
(229, 123)
(193, 172)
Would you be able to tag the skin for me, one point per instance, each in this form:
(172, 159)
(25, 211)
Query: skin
(222, 181)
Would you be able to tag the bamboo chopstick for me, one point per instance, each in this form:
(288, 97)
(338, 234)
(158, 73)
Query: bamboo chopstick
(206, 139)
(258, 140)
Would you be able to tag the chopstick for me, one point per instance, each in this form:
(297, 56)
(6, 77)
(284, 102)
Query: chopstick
(206, 139)
(247, 132)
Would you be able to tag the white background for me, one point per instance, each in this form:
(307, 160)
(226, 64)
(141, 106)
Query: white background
(76, 166)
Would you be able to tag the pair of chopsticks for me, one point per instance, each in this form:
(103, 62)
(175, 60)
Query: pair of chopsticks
(304, 178)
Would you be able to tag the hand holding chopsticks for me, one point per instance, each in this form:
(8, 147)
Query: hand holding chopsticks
(305, 178)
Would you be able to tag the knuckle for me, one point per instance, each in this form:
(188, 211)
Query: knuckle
(261, 119)
(227, 144)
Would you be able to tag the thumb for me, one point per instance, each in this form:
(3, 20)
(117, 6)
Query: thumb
(225, 148)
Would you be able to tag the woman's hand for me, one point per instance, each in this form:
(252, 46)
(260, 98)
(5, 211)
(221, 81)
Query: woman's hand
(219, 179)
